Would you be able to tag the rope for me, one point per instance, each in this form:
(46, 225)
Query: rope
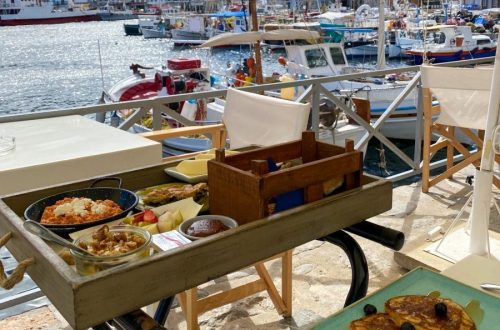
(7, 282)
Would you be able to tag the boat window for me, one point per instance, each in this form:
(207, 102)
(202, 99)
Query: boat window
(316, 58)
(337, 55)
(439, 38)
(483, 41)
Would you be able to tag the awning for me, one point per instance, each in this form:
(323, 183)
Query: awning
(233, 38)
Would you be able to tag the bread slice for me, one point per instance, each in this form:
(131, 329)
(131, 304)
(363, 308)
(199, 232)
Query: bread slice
(420, 312)
(380, 321)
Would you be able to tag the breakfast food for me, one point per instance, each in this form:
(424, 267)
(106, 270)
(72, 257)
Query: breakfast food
(415, 312)
(425, 312)
(204, 228)
(170, 194)
(106, 243)
(75, 210)
(380, 321)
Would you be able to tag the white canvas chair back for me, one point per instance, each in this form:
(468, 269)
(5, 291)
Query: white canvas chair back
(254, 119)
(463, 94)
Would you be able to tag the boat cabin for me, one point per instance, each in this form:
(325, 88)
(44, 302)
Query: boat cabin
(323, 59)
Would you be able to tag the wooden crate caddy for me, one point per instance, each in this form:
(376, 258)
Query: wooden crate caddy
(241, 185)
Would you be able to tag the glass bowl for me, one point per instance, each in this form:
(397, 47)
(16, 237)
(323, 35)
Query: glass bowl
(86, 265)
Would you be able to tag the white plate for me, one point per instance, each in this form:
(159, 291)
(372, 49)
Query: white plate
(172, 171)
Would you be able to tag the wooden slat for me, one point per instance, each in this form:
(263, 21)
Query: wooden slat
(279, 153)
(286, 281)
(231, 295)
(182, 131)
(271, 288)
(301, 176)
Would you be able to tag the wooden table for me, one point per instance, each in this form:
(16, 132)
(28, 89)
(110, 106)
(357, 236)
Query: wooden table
(475, 270)
(54, 151)
(85, 301)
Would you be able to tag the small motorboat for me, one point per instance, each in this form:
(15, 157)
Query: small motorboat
(175, 77)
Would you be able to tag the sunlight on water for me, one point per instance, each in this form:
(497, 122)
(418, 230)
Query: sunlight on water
(48, 67)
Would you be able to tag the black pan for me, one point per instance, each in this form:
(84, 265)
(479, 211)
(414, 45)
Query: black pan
(125, 198)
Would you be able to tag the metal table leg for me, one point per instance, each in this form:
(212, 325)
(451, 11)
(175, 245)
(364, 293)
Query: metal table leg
(359, 266)
(163, 309)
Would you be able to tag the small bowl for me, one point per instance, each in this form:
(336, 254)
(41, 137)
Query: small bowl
(230, 222)
(86, 265)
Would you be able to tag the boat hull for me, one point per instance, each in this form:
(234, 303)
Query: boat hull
(132, 29)
(49, 20)
(441, 57)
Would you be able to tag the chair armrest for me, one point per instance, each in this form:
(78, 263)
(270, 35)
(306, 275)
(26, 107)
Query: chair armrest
(217, 131)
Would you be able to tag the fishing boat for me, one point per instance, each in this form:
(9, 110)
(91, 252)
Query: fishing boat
(20, 12)
(143, 22)
(447, 43)
(174, 77)
(196, 29)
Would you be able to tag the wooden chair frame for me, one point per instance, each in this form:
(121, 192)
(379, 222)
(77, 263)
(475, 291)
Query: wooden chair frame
(449, 141)
(191, 305)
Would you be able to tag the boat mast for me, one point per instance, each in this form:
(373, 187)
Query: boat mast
(255, 27)
(381, 36)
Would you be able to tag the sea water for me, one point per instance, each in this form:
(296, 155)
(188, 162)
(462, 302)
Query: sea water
(49, 67)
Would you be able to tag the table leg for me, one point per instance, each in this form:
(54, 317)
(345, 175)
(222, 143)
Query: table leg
(163, 309)
(359, 266)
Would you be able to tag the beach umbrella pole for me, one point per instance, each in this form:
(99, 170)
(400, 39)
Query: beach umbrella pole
(480, 213)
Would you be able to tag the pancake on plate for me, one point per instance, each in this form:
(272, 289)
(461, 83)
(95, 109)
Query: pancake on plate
(423, 314)
(379, 321)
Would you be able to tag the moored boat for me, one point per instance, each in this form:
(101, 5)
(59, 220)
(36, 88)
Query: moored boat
(18, 12)
(452, 43)
(176, 76)
(196, 29)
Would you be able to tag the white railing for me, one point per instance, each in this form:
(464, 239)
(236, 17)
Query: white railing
(313, 92)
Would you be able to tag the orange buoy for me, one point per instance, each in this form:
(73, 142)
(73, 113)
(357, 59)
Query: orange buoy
(282, 60)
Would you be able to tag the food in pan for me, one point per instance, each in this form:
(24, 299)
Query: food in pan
(170, 194)
(75, 210)
(105, 243)
(416, 312)
(205, 227)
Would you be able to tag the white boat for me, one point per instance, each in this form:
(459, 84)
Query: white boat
(20, 12)
(162, 81)
(452, 43)
(197, 29)
(160, 31)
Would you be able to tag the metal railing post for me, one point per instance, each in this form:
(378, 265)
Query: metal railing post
(315, 109)
(417, 153)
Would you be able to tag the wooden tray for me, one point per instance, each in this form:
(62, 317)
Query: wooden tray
(419, 281)
(90, 300)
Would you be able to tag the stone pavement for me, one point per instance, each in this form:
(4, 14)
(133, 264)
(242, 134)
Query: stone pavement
(321, 272)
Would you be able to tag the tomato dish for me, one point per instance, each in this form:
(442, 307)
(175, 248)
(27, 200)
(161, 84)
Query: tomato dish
(76, 210)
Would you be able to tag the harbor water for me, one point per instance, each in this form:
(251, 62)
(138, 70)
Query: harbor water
(49, 67)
